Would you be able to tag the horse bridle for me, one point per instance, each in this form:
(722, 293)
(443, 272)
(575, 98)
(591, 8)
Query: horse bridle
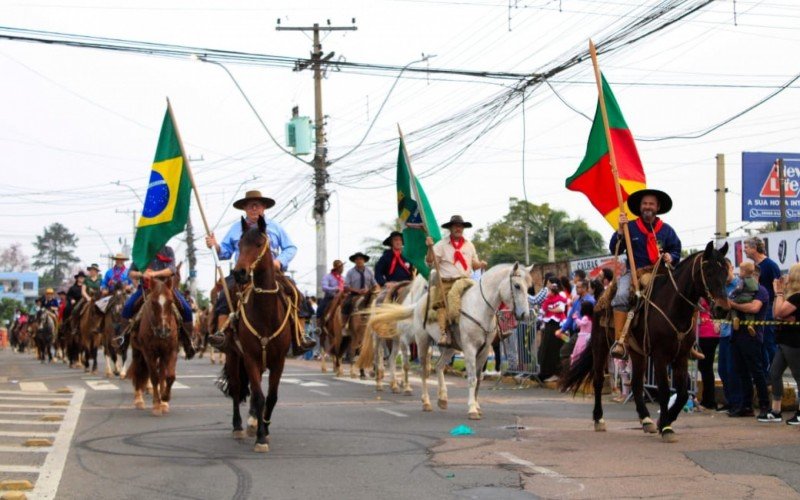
(486, 301)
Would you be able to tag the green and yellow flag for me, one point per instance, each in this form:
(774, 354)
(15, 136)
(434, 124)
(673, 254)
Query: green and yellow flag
(410, 212)
(166, 205)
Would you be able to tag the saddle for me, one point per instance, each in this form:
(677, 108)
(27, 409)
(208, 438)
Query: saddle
(395, 294)
(457, 290)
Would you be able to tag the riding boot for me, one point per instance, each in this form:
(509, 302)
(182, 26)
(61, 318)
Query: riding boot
(124, 329)
(444, 336)
(618, 349)
(301, 343)
(185, 336)
(219, 338)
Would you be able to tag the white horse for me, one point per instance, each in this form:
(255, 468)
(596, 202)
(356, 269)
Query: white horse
(373, 345)
(503, 283)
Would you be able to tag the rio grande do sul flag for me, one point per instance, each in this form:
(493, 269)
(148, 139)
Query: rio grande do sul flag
(409, 212)
(594, 177)
(166, 205)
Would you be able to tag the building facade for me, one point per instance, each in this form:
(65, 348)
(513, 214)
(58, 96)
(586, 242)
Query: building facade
(22, 286)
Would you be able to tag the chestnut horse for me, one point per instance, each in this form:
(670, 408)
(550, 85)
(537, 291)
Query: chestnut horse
(154, 346)
(261, 335)
(90, 326)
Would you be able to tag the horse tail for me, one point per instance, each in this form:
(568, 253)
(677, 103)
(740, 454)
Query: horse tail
(367, 352)
(384, 318)
(579, 372)
(138, 372)
(236, 388)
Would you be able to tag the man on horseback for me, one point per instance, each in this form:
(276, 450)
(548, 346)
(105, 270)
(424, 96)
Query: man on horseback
(651, 239)
(358, 281)
(162, 267)
(74, 294)
(283, 251)
(117, 274)
(93, 284)
(456, 257)
(392, 268)
(332, 283)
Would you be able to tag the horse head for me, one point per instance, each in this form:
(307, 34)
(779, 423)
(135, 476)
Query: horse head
(516, 293)
(254, 255)
(162, 321)
(714, 271)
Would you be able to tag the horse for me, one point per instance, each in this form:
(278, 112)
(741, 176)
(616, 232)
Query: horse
(43, 327)
(662, 331)
(373, 345)
(261, 335)
(91, 334)
(154, 347)
(337, 340)
(501, 284)
(115, 355)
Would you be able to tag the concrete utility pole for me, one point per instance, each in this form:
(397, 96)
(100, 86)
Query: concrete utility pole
(782, 189)
(320, 163)
(722, 226)
(191, 256)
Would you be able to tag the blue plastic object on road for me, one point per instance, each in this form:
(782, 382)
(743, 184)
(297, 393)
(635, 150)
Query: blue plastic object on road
(461, 430)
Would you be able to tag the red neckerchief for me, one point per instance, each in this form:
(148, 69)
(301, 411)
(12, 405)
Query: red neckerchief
(116, 273)
(163, 258)
(652, 244)
(339, 281)
(458, 257)
(397, 259)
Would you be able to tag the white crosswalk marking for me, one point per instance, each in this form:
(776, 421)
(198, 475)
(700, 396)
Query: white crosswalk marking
(178, 385)
(313, 384)
(289, 380)
(101, 385)
(32, 387)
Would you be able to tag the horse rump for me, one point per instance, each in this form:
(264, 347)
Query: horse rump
(579, 372)
(238, 386)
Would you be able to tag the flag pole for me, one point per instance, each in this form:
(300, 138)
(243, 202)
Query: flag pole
(199, 203)
(613, 162)
(421, 209)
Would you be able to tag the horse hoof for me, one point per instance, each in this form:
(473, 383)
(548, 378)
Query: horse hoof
(407, 392)
(156, 412)
(600, 426)
(352, 375)
(362, 377)
(94, 372)
(139, 405)
(427, 407)
(443, 405)
(165, 407)
(122, 375)
(379, 388)
(108, 374)
(238, 435)
(474, 415)
(395, 390)
(261, 448)
(649, 428)
(212, 360)
(669, 436)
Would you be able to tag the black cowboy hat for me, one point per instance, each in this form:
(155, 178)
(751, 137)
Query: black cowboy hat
(359, 254)
(456, 219)
(253, 195)
(388, 241)
(80, 274)
(635, 201)
(93, 266)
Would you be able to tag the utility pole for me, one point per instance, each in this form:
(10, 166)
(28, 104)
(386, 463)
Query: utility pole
(721, 192)
(782, 189)
(320, 163)
(191, 256)
(527, 251)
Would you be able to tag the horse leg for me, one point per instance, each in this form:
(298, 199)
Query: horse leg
(393, 366)
(662, 381)
(472, 378)
(272, 396)
(155, 380)
(94, 358)
(257, 407)
(425, 362)
(169, 379)
(680, 379)
(444, 360)
(639, 365)
(109, 358)
(600, 350)
(483, 356)
(405, 354)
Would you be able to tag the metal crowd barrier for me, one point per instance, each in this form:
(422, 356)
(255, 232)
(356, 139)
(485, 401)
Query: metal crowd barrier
(519, 347)
(651, 385)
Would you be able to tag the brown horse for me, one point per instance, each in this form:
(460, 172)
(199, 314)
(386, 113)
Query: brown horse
(662, 330)
(154, 347)
(339, 337)
(261, 335)
(90, 324)
(115, 355)
(43, 327)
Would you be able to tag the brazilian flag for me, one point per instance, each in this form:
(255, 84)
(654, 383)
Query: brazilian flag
(410, 213)
(166, 206)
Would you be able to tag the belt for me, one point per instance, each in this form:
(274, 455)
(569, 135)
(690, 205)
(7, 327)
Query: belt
(450, 280)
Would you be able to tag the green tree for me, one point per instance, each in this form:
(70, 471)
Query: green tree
(55, 254)
(7, 308)
(504, 240)
(374, 246)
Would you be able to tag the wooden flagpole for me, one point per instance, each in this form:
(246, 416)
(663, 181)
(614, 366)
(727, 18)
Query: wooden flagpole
(219, 272)
(613, 159)
(413, 182)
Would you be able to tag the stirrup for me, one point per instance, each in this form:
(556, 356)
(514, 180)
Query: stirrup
(217, 339)
(617, 355)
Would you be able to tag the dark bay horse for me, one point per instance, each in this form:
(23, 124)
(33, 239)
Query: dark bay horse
(154, 346)
(90, 325)
(261, 335)
(663, 331)
(43, 328)
(115, 355)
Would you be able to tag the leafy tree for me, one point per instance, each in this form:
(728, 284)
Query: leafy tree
(13, 259)
(504, 240)
(7, 308)
(374, 246)
(55, 254)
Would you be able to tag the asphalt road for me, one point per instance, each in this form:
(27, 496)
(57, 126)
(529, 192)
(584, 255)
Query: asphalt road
(338, 438)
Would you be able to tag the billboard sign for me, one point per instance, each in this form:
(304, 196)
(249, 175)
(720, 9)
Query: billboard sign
(761, 189)
(782, 246)
(594, 265)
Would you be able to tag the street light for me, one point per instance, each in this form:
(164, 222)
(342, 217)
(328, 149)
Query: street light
(135, 193)
(108, 247)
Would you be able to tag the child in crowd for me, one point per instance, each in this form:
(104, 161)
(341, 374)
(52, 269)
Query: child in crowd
(584, 331)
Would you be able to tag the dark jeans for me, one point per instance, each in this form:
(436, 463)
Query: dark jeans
(785, 357)
(708, 346)
(731, 385)
(749, 368)
(127, 309)
(222, 307)
(769, 347)
(323, 306)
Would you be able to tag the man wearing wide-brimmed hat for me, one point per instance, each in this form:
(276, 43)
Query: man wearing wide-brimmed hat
(332, 283)
(117, 275)
(651, 239)
(74, 293)
(392, 268)
(358, 281)
(456, 258)
(283, 251)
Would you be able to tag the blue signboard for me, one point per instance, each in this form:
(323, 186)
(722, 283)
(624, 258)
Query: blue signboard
(761, 189)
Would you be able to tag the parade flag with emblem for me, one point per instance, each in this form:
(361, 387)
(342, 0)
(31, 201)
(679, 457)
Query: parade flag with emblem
(594, 177)
(414, 214)
(166, 205)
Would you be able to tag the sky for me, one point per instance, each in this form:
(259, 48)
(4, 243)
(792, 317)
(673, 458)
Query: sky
(76, 121)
